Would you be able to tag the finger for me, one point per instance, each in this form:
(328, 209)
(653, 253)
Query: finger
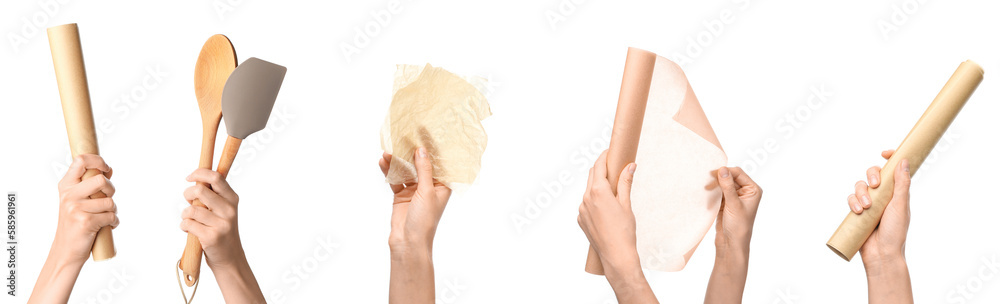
(888, 153)
(383, 163)
(81, 163)
(861, 192)
(425, 170)
(92, 185)
(590, 180)
(852, 201)
(206, 196)
(193, 227)
(98, 205)
(216, 180)
(873, 176)
(625, 185)
(743, 180)
(99, 220)
(202, 215)
(901, 188)
(601, 165)
(600, 182)
(728, 186)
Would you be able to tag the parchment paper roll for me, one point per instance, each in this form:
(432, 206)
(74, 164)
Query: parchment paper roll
(675, 197)
(856, 228)
(628, 125)
(71, 76)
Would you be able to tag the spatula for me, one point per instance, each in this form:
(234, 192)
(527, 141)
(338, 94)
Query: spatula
(215, 62)
(247, 100)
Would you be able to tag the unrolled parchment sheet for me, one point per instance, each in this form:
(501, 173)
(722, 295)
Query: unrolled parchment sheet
(675, 195)
(440, 111)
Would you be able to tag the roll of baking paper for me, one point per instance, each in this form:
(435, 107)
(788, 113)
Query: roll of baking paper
(67, 58)
(627, 126)
(675, 197)
(856, 228)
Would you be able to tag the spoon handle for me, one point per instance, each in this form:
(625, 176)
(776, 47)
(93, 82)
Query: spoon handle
(191, 259)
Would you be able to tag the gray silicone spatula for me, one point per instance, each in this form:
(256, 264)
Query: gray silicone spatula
(247, 100)
(246, 104)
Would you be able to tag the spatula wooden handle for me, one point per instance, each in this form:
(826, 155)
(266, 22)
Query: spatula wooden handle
(71, 76)
(191, 259)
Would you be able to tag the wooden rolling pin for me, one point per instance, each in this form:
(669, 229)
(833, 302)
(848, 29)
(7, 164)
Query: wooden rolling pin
(67, 58)
(856, 228)
(628, 123)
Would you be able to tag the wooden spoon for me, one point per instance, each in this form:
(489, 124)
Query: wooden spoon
(216, 61)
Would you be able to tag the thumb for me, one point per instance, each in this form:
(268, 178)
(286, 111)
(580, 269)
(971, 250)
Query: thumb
(728, 186)
(425, 170)
(901, 188)
(625, 185)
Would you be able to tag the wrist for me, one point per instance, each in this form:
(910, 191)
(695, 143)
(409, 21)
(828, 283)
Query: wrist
(623, 271)
(882, 265)
(401, 246)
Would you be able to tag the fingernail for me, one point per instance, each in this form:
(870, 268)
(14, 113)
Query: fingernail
(866, 201)
(856, 208)
(724, 172)
(631, 168)
(906, 166)
(873, 179)
(422, 153)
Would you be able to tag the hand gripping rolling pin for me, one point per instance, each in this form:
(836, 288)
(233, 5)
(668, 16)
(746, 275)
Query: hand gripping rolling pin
(67, 58)
(856, 228)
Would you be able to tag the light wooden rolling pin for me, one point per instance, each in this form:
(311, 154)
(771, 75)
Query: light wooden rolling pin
(856, 228)
(67, 57)
(628, 124)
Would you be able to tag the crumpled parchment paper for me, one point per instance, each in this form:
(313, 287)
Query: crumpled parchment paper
(440, 111)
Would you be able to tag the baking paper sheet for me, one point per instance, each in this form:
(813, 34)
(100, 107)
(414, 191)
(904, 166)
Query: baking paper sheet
(675, 195)
(440, 111)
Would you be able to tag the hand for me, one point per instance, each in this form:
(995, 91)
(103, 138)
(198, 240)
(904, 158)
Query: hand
(889, 238)
(416, 208)
(416, 211)
(882, 254)
(609, 224)
(740, 199)
(606, 219)
(215, 224)
(80, 217)
(733, 229)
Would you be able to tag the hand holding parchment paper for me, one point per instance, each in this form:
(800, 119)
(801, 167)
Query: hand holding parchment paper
(676, 196)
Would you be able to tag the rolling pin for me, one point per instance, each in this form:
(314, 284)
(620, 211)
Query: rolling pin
(628, 123)
(856, 228)
(67, 58)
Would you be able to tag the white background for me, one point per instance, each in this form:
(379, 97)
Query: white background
(311, 177)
